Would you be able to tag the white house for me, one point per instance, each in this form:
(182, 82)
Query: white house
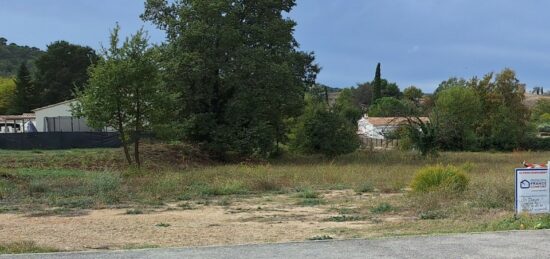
(379, 127)
(58, 118)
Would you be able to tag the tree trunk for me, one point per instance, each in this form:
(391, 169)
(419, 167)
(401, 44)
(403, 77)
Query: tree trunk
(137, 131)
(123, 136)
(124, 143)
(136, 152)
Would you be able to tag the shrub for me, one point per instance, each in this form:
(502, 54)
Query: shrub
(447, 178)
(322, 131)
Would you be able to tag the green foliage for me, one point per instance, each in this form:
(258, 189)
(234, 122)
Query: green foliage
(540, 113)
(457, 110)
(505, 121)
(522, 222)
(239, 82)
(26, 95)
(363, 95)
(12, 55)
(382, 208)
(7, 94)
(346, 107)
(389, 107)
(451, 83)
(485, 113)
(307, 194)
(322, 131)
(61, 71)
(124, 91)
(377, 85)
(445, 178)
(22, 247)
(413, 94)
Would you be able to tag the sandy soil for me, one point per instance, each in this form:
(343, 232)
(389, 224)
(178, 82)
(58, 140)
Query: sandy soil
(252, 220)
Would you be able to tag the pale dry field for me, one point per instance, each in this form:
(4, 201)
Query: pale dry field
(275, 218)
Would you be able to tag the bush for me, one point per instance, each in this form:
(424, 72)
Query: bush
(447, 178)
(322, 131)
(535, 144)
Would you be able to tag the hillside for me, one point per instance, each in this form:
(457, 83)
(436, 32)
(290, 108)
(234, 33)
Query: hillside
(531, 99)
(12, 55)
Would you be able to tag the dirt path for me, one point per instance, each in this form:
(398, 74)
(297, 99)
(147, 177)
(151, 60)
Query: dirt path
(251, 220)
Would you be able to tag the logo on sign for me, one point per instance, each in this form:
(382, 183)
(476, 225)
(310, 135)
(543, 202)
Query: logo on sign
(525, 184)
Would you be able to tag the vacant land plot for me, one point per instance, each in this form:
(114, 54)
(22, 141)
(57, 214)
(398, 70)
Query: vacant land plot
(88, 199)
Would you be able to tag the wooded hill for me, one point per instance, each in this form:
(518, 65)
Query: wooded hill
(12, 55)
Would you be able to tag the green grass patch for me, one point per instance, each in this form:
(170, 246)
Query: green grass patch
(24, 247)
(382, 208)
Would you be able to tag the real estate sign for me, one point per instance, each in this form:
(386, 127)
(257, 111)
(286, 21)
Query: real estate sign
(532, 190)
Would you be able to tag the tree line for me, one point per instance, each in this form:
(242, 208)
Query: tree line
(48, 77)
(230, 78)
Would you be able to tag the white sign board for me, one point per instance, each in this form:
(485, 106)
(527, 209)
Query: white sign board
(532, 190)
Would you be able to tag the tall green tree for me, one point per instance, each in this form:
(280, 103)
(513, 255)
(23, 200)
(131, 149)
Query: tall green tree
(25, 91)
(62, 70)
(458, 110)
(124, 92)
(363, 95)
(377, 85)
(506, 118)
(237, 68)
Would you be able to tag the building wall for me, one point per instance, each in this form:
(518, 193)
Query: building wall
(63, 109)
(366, 129)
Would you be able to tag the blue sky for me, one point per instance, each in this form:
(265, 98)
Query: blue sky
(418, 42)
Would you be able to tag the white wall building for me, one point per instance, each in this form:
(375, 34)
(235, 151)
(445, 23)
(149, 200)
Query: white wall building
(379, 127)
(58, 118)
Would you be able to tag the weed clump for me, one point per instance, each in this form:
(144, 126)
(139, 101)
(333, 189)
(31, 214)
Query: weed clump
(446, 178)
(364, 188)
(382, 208)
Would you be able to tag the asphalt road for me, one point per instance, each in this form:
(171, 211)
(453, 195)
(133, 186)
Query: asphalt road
(526, 244)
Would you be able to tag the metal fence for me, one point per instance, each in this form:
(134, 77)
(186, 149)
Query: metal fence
(59, 140)
(373, 143)
(67, 124)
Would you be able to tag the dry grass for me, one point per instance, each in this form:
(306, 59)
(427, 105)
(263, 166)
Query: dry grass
(359, 195)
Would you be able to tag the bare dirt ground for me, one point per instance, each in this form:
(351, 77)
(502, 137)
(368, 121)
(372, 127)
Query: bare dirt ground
(270, 218)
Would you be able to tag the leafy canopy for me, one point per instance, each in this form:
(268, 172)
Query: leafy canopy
(237, 68)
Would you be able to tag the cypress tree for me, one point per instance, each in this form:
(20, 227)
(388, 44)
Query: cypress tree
(24, 94)
(377, 85)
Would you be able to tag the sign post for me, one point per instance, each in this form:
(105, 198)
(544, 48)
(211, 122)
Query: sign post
(532, 190)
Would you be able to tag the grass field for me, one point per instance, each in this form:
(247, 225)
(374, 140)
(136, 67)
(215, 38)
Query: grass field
(358, 195)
